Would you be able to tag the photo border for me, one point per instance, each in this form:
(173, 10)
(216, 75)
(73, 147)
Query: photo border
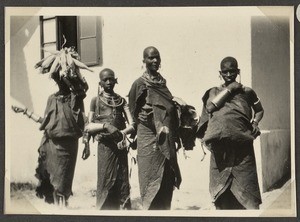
(144, 3)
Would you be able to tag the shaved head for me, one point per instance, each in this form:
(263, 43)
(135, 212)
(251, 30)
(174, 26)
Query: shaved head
(229, 63)
(107, 80)
(150, 50)
(152, 59)
(106, 73)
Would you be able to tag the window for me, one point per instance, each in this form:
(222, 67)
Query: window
(82, 32)
(48, 36)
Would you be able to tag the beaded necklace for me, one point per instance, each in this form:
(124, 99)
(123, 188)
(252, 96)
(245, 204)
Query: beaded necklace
(111, 100)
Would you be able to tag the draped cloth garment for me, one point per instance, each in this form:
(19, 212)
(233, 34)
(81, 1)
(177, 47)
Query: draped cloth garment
(63, 124)
(227, 134)
(156, 137)
(113, 189)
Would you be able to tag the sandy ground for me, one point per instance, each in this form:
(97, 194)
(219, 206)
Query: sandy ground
(193, 195)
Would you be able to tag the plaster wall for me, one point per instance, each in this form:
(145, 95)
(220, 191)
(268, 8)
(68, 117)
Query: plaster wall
(270, 37)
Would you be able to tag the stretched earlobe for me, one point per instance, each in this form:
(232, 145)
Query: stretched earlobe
(99, 89)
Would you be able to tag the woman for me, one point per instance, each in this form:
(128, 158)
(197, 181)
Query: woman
(154, 112)
(107, 124)
(228, 126)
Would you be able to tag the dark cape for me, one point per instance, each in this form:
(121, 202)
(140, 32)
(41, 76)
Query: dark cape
(227, 134)
(156, 142)
(63, 125)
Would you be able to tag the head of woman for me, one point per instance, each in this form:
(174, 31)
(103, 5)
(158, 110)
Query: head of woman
(229, 69)
(107, 80)
(152, 60)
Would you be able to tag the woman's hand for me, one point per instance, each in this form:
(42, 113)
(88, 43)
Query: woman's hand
(234, 86)
(86, 152)
(255, 130)
(113, 132)
(17, 109)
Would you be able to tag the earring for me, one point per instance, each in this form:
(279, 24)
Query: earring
(99, 89)
(142, 67)
(159, 68)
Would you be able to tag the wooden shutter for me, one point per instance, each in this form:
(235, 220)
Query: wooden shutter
(89, 39)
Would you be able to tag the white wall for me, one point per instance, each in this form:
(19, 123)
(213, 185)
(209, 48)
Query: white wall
(192, 42)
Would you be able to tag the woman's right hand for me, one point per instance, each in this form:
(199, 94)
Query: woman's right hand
(234, 86)
(113, 132)
(18, 109)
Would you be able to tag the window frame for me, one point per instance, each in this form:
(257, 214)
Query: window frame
(97, 61)
(42, 20)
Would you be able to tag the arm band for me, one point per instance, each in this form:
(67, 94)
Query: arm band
(221, 98)
(258, 100)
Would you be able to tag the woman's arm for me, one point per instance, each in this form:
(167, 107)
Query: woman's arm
(130, 127)
(92, 127)
(29, 114)
(221, 98)
(258, 112)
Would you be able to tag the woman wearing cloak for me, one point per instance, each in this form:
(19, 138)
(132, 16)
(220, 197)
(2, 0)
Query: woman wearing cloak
(63, 124)
(228, 126)
(154, 112)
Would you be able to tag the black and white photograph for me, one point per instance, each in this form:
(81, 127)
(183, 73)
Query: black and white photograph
(150, 111)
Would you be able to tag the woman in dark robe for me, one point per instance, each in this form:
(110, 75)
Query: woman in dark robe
(154, 112)
(63, 125)
(228, 126)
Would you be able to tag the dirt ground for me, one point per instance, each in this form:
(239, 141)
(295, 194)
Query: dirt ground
(193, 195)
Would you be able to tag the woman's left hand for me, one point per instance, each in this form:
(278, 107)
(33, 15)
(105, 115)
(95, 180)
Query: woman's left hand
(255, 129)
